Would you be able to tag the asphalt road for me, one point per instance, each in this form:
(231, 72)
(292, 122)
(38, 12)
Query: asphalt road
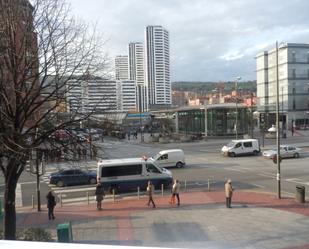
(206, 167)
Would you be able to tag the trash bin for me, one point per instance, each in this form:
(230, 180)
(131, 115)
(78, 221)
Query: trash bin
(64, 232)
(300, 194)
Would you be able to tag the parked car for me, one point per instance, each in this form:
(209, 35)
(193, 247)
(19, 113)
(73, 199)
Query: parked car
(73, 177)
(286, 151)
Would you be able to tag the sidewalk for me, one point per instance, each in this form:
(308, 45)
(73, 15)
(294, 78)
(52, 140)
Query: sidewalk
(257, 220)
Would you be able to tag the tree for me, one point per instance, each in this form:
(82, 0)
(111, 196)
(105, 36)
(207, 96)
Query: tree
(42, 48)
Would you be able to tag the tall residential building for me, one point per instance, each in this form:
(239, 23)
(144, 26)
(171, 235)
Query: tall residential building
(137, 73)
(158, 66)
(91, 94)
(126, 95)
(122, 67)
(293, 66)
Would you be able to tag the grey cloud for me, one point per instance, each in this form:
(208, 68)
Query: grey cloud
(210, 39)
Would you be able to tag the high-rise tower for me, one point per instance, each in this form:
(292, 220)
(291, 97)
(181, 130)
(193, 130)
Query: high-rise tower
(158, 65)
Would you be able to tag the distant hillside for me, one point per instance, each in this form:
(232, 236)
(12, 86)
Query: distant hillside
(209, 86)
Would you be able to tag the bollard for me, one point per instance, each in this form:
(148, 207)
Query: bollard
(162, 189)
(60, 200)
(138, 192)
(87, 195)
(32, 200)
(208, 184)
(185, 185)
(113, 194)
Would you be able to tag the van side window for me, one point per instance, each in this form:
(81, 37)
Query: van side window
(152, 169)
(237, 145)
(247, 144)
(124, 170)
(163, 157)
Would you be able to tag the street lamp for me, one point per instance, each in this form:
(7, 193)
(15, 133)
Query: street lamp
(236, 120)
(277, 123)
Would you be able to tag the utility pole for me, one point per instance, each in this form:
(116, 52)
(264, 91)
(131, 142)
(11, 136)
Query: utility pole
(277, 124)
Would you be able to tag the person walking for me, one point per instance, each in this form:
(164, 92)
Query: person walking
(51, 203)
(228, 192)
(99, 195)
(150, 190)
(175, 192)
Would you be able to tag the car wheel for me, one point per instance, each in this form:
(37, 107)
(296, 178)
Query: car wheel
(232, 154)
(296, 155)
(255, 152)
(60, 184)
(179, 165)
(93, 181)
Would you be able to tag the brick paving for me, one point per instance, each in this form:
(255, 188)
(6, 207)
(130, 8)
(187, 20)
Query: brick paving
(257, 220)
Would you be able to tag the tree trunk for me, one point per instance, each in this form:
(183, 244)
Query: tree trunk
(9, 207)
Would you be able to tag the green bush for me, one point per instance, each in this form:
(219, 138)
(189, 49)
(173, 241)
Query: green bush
(36, 234)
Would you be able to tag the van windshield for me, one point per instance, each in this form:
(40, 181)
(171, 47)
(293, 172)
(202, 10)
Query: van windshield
(156, 156)
(152, 168)
(231, 144)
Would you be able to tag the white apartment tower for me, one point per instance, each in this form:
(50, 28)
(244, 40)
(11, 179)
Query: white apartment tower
(122, 67)
(158, 65)
(137, 73)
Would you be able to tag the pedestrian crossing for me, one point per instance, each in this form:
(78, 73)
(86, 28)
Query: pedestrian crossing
(71, 194)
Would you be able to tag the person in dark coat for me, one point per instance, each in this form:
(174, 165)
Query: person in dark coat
(99, 195)
(51, 203)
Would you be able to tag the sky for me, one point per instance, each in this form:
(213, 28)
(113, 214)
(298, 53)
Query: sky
(210, 40)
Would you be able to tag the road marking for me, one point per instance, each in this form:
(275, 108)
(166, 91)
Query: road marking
(235, 169)
(259, 186)
(28, 182)
(269, 176)
(296, 180)
(18, 197)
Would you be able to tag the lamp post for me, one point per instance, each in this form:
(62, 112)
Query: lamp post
(236, 120)
(277, 124)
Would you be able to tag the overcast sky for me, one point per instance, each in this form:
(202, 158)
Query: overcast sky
(210, 40)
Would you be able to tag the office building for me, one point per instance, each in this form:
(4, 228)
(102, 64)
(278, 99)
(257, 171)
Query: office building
(293, 67)
(158, 66)
(137, 73)
(91, 94)
(121, 67)
(126, 95)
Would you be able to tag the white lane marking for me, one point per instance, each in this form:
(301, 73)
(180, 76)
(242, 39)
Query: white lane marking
(236, 169)
(296, 180)
(18, 197)
(28, 182)
(259, 186)
(268, 175)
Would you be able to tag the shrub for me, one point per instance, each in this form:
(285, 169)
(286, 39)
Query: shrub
(36, 234)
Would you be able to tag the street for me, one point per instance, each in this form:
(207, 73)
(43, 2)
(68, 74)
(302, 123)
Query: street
(206, 168)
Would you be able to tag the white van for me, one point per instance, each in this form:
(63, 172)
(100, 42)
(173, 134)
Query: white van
(241, 147)
(129, 173)
(170, 158)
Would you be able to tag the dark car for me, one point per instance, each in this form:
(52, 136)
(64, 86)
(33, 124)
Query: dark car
(73, 177)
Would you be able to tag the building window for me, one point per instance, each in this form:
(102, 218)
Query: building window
(293, 56)
(308, 56)
(293, 73)
(308, 73)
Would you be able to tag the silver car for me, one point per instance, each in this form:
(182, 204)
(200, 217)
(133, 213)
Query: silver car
(286, 151)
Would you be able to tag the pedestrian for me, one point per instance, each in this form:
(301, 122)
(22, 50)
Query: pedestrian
(84, 150)
(99, 195)
(175, 192)
(228, 192)
(51, 203)
(129, 134)
(150, 190)
(135, 134)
